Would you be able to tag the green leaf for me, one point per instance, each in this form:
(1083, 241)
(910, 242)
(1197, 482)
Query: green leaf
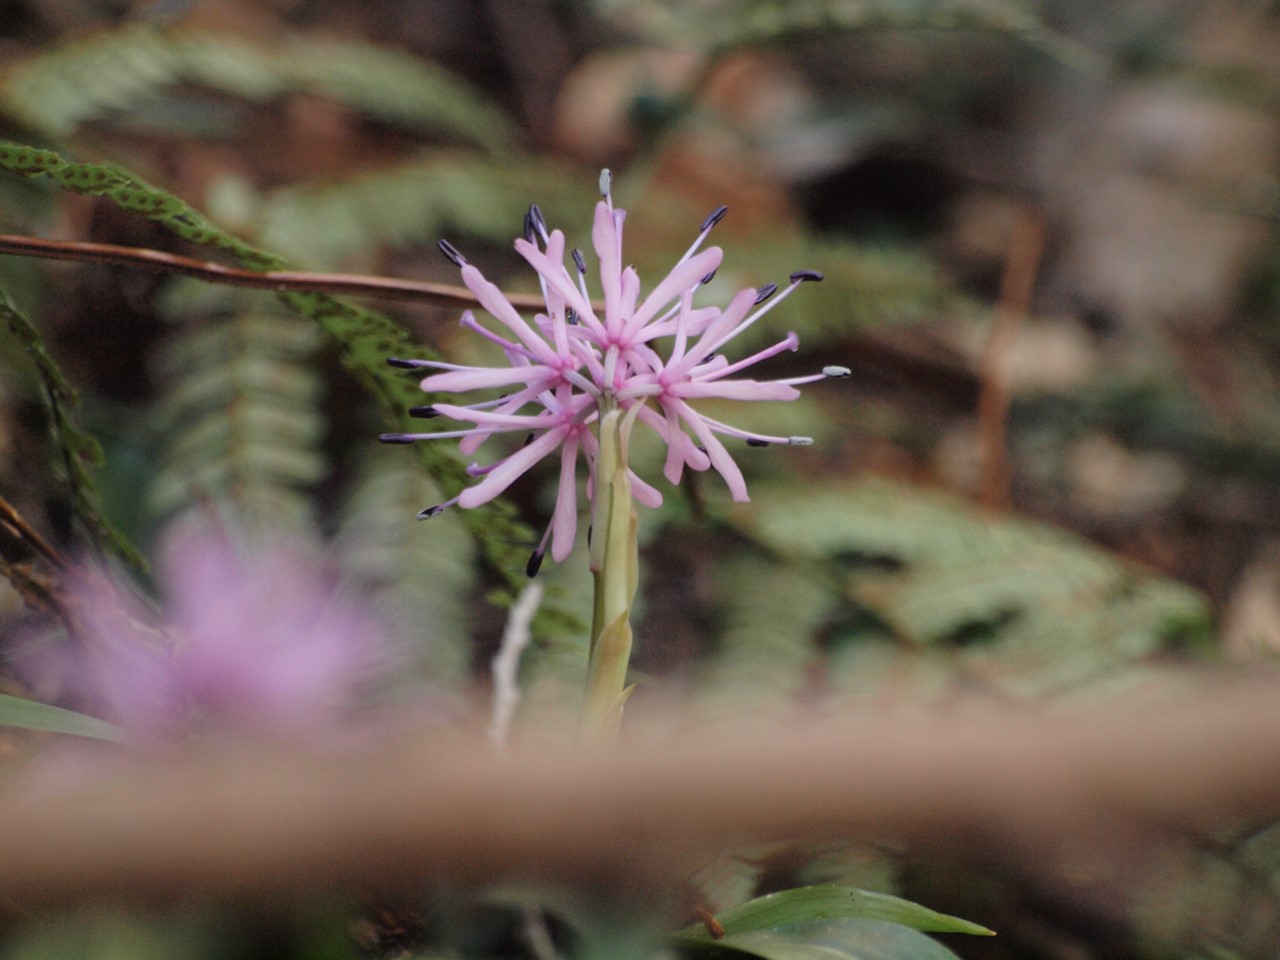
(841, 939)
(806, 905)
(33, 715)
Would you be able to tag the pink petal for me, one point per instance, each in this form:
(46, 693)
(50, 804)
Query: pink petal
(493, 300)
(644, 493)
(481, 378)
(604, 236)
(492, 418)
(510, 469)
(734, 390)
(720, 458)
(564, 521)
(684, 277)
(721, 326)
(554, 274)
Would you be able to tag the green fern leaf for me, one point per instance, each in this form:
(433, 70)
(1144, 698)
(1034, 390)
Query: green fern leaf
(79, 453)
(771, 612)
(322, 224)
(239, 417)
(420, 576)
(116, 70)
(1030, 608)
(726, 24)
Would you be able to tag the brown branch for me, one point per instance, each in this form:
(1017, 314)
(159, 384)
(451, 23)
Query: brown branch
(157, 261)
(219, 820)
(1017, 285)
(24, 532)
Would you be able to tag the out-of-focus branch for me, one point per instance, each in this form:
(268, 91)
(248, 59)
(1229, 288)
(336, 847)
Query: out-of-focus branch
(1017, 285)
(261, 821)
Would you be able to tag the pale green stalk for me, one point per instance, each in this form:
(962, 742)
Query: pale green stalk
(615, 568)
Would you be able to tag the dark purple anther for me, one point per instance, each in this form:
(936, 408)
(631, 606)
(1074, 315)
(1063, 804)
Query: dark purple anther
(405, 364)
(801, 276)
(452, 252)
(765, 292)
(579, 262)
(529, 233)
(424, 413)
(753, 442)
(539, 224)
(714, 217)
(534, 565)
(395, 438)
(430, 512)
(709, 277)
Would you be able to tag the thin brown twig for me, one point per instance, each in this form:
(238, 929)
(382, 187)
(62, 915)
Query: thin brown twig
(24, 532)
(156, 261)
(1017, 284)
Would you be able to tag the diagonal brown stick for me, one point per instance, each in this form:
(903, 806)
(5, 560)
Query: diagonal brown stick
(260, 821)
(157, 261)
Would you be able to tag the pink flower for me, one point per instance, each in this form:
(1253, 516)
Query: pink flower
(255, 643)
(570, 365)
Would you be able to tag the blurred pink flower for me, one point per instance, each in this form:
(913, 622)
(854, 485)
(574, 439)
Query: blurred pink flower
(569, 366)
(254, 644)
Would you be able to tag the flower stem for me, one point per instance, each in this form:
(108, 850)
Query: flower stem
(615, 568)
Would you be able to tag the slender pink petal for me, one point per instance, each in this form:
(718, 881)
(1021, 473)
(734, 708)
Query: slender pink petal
(630, 291)
(720, 326)
(604, 236)
(735, 390)
(482, 378)
(720, 458)
(644, 493)
(564, 521)
(554, 274)
(684, 277)
(509, 470)
(493, 300)
(555, 300)
(493, 419)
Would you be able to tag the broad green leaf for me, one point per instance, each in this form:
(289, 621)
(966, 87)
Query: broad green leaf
(802, 905)
(843, 939)
(32, 715)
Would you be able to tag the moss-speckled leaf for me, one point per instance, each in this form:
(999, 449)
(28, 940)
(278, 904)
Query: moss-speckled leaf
(844, 939)
(802, 905)
(33, 715)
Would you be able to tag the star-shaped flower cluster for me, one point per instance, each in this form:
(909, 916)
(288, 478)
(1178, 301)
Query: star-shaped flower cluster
(572, 364)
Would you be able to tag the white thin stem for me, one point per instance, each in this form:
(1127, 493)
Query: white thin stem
(506, 665)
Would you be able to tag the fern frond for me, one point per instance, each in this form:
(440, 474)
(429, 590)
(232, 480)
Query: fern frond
(1030, 608)
(319, 225)
(863, 287)
(420, 576)
(725, 24)
(239, 417)
(56, 92)
(79, 454)
(767, 644)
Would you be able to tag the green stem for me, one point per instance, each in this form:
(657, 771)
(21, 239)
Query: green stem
(615, 568)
